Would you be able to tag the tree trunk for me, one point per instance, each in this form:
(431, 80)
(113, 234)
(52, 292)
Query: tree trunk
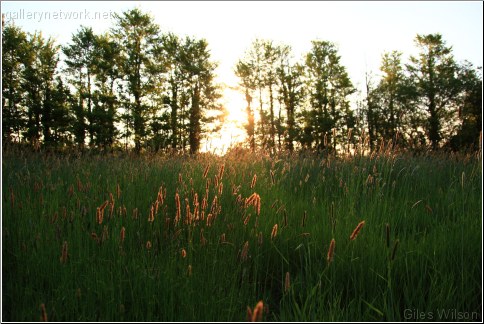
(195, 115)
(250, 120)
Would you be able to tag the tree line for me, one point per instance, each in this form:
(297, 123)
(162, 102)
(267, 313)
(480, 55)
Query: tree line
(430, 102)
(135, 86)
(132, 85)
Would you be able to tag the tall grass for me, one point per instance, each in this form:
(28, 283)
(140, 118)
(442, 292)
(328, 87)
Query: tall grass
(250, 228)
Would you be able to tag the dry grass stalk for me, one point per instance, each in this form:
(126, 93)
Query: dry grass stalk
(204, 204)
(118, 191)
(151, 217)
(95, 237)
(258, 312)
(65, 253)
(221, 172)
(54, 218)
(357, 230)
(246, 220)
(104, 205)
(122, 234)
(209, 219)
(287, 282)
(135, 213)
(196, 212)
(220, 188)
(274, 204)
(235, 190)
(213, 208)
(104, 235)
(330, 255)
(99, 216)
(253, 200)
(222, 238)
(157, 207)
(274, 232)
(245, 252)
(305, 216)
(203, 241)
(249, 314)
(207, 186)
(254, 181)
(178, 208)
(206, 171)
(188, 218)
(43, 317)
(273, 180)
(189, 270)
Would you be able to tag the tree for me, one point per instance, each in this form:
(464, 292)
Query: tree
(137, 35)
(61, 102)
(199, 73)
(13, 51)
(38, 77)
(245, 71)
(80, 60)
(434, 72)
(328, 87)
(393, 102)
(107, 71)
(291, 93)
(470, 109)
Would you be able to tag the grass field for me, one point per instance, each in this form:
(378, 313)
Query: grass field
(125, 238)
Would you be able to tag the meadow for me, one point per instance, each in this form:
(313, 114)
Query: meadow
(381, 237)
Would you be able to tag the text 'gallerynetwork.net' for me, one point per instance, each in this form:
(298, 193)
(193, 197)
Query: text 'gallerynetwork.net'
(40, 16)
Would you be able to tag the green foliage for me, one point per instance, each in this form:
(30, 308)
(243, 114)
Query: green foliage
(431, 205)
(14, 42)
(137, 85)
(434, 74)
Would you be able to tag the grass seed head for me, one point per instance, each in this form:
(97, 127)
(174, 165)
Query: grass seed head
(330, 255)
(287, 282)
(357, 230)
(274, 231)
(43, 317)
(206, 171)
(254, 181)
(65, 252)
(258, 312)
(122, 234)
(245, 252)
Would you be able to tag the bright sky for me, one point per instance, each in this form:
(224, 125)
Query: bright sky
(361, 30)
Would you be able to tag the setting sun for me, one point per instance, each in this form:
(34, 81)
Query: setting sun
(232, 132)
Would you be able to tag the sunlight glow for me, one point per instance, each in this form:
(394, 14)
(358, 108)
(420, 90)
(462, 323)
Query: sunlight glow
(232, 132)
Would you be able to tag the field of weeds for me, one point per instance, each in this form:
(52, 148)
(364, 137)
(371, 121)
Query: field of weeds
(243, 237)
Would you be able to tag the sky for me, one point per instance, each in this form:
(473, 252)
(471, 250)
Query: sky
(362, 30)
